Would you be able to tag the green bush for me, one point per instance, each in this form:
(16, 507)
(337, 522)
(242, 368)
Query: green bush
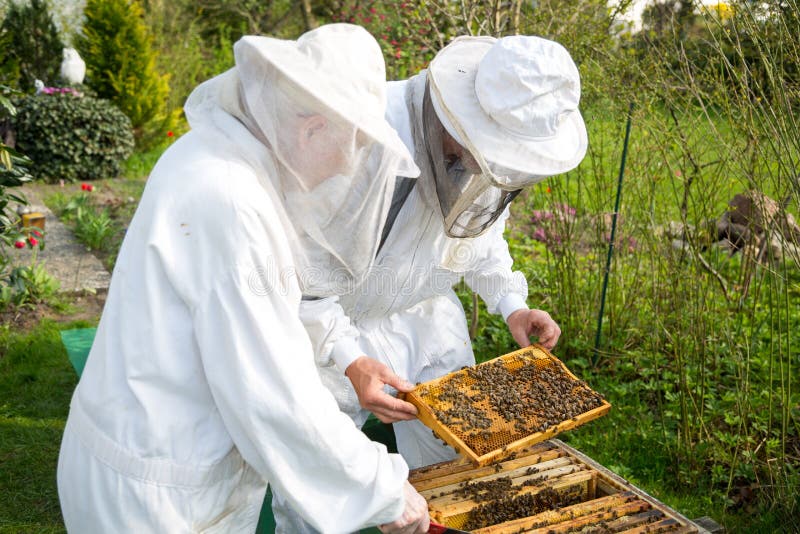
(9, 65)
(121, 66)
(34, 47)
(26, 286)
(13, 173)
(72, 137)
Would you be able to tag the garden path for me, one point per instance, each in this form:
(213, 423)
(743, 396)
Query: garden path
(63, 257)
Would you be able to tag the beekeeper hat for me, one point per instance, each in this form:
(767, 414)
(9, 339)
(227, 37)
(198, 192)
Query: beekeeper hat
(515, 99)
(339, 65)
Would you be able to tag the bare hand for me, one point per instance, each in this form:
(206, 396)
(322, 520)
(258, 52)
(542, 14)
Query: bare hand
(415, 519)
(368, 377)
(526, 323)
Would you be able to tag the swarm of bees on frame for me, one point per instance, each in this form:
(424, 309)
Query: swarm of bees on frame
(506, 505)
(491, 402)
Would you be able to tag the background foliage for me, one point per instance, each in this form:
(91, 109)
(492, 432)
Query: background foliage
(32, 47)
(117, 47)
(72, 137)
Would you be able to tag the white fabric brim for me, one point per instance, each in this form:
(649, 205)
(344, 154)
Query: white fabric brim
(285, 57)
(454, 70)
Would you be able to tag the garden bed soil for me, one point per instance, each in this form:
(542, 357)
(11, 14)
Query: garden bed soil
(84, 306)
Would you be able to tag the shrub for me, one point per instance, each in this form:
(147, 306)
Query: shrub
(13, 173)
(34, 43)
(27, 285)
(9, 65)
(72, 137)
(121, 65)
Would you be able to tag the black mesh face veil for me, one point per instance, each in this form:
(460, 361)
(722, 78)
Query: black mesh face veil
(469, 200)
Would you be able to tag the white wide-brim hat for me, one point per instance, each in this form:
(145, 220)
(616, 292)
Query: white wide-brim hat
(515, 98)
(341, 66)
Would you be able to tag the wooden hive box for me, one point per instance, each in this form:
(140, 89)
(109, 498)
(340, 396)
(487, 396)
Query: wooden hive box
(546, 488)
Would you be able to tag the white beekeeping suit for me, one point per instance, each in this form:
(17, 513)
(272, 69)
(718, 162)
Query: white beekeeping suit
(73, 68)
(513, 103)
(201, 387)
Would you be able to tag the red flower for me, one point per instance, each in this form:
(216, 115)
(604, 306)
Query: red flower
(170, 133)
(382, 17)
(398, 54)
(394, 42)
(19, 244)
(373, 10)
(89, 187)
(84, 186)
(37, 233)
(33, 241)
(385, 37)
(547, 190)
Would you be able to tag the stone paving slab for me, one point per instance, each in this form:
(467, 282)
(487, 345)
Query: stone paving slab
(63, 257)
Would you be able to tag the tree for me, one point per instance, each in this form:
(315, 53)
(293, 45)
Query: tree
(34, 45)
(121, 64)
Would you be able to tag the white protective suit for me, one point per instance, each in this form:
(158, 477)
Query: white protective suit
(201, 386)
(407, 315)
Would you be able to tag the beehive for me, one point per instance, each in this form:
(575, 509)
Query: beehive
(546, 488)
(488, 411)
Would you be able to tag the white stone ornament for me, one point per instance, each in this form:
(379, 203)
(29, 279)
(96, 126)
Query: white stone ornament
(73, 68)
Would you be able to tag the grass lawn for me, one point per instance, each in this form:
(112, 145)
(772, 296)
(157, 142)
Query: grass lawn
(36, 383)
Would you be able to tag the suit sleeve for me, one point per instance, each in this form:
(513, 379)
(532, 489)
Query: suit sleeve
(491, 275)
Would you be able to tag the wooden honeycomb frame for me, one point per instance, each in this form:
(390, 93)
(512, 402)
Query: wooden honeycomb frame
(502, 440)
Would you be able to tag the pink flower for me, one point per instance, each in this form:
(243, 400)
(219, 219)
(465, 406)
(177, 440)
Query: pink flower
(394, 42)
(398, 54)
(19, 244)
(33, 241)
(373, 10)
(538, 216)
(382, 17)
(566, 209)
(385, 37)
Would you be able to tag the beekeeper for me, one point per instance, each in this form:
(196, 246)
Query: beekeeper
(487, 119)
(201, 385)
